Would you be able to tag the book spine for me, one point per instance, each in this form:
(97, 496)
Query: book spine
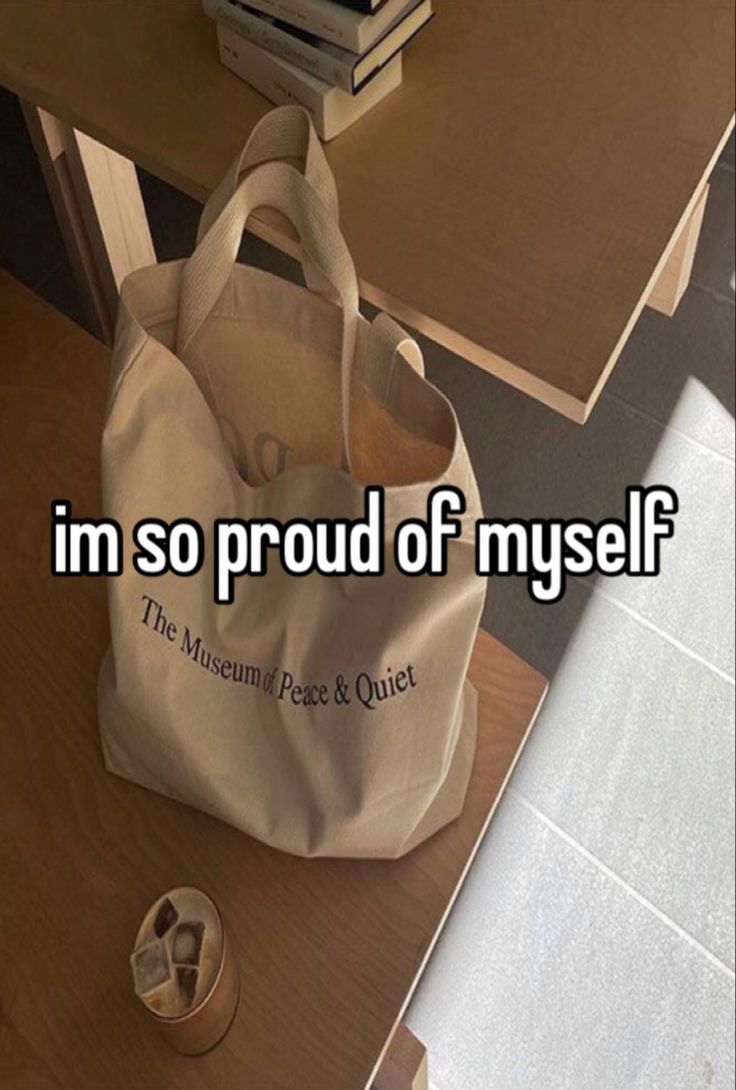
(274, 82)
(366, 6)
(319, 63)
(342, 27)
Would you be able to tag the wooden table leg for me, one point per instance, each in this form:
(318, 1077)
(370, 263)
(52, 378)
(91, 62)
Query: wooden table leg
(99, 208)
(406, 1066)
(675, 276)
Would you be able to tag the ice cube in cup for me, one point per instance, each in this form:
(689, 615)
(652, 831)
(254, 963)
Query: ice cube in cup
(186, 978)
(150, 967)
(166, 917)
(187, 945)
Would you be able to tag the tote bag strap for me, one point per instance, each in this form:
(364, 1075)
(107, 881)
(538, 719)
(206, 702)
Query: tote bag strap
(286, 133)
(386, 340)
(208, 271)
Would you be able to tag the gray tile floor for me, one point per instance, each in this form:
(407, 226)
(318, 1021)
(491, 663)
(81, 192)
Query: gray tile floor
(593, 947)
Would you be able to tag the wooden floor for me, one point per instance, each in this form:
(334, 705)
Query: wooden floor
(329, 952)
(516, 199)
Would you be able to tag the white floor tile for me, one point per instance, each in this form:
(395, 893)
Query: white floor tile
(693, 598)
(551, 977)
(633, 756)
(531, 463)
(676, 370)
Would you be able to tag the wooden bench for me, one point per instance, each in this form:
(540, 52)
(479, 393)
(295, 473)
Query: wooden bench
(329, 952)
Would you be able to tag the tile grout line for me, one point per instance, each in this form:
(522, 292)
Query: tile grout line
(666, 427)
(624, 885)
(713, 292)
(596, 588)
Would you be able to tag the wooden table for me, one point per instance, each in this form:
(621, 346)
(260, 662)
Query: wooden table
(329, 952)
(538, 179)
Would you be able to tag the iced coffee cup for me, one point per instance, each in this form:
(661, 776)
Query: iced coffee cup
(184, 972)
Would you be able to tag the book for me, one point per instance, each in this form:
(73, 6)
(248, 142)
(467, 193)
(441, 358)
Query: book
(331, 22)
(331, 108)
(325, 60)
(366, 6)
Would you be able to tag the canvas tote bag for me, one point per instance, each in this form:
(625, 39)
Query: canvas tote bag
(235, 394)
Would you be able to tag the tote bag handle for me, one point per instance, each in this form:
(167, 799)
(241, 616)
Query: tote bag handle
(386, 340)
(284, 133)
(208, 271)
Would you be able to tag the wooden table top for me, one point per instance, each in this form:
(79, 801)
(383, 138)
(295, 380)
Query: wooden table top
(514, 200)
(329, 952)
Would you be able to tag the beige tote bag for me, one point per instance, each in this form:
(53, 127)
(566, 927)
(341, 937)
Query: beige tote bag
(324, 715)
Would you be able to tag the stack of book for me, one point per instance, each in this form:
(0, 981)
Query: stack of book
(337, 58)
